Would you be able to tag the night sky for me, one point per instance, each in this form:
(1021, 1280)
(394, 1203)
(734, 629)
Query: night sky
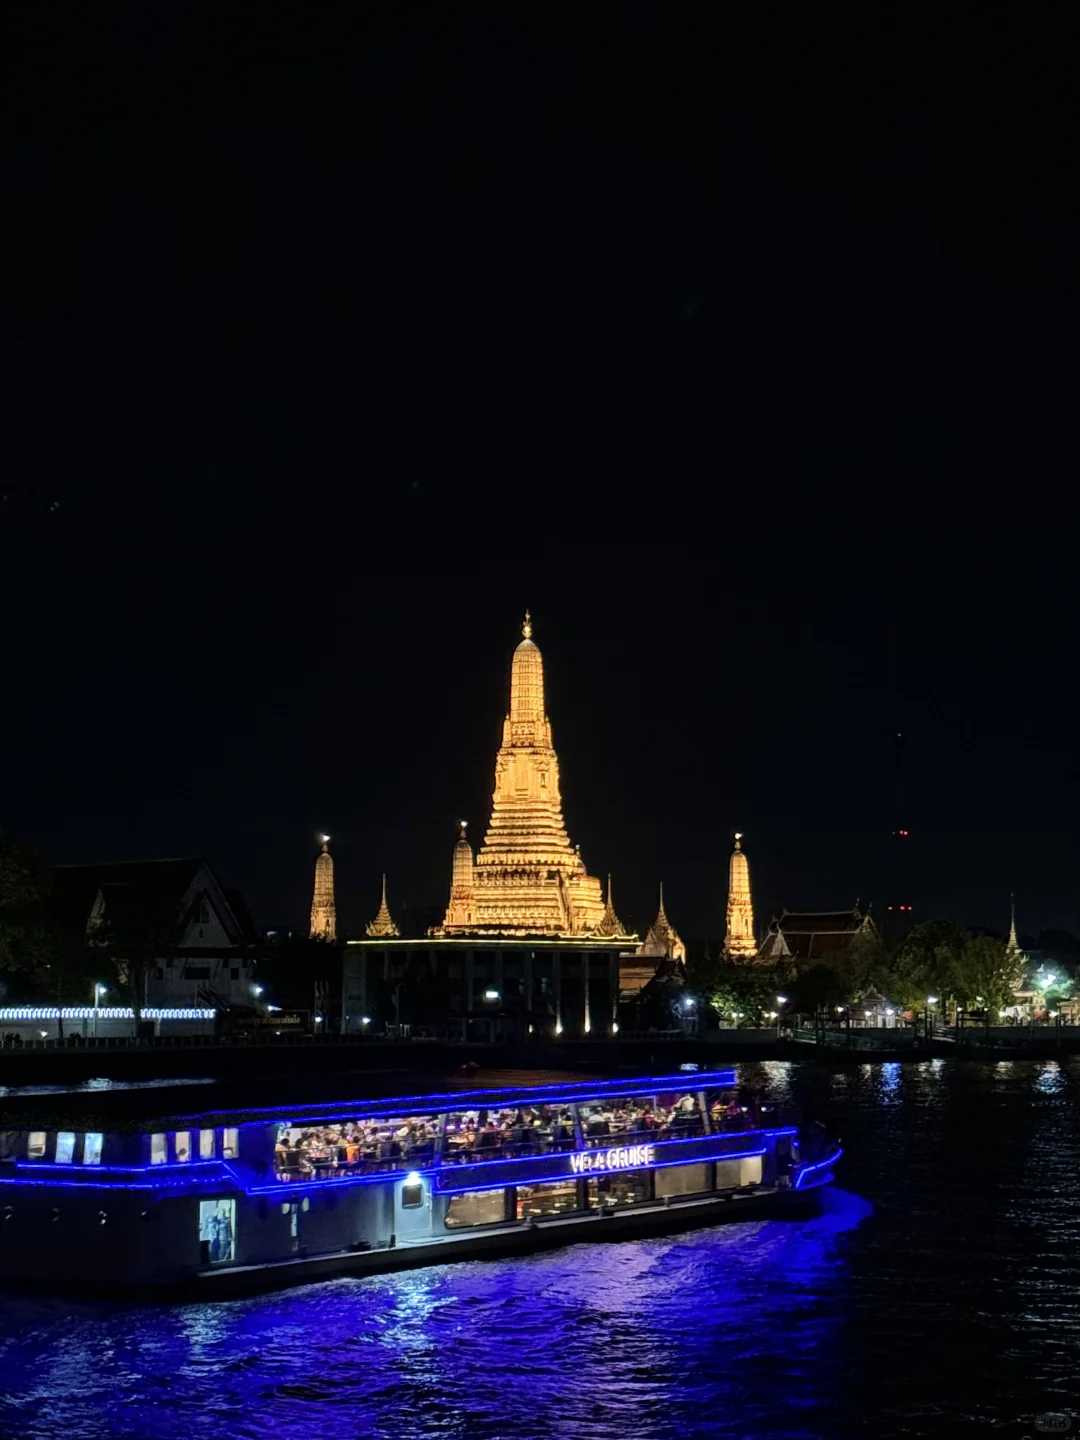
(741, 350)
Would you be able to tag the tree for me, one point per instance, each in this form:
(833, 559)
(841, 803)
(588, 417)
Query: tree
(821, 987)
(929, 962)
(746, 991)
(986, 974)
(25, 941)
(135, 930)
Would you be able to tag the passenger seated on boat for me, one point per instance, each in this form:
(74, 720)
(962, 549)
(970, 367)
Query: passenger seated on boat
(563, 1134)
(489, 1138)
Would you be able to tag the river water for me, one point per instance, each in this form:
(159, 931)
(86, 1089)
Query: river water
(937, 1294)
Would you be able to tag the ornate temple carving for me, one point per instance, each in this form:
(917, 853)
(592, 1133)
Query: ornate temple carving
(383, 926)
(663, 941)
(323, 909)
(739, 942)
(526, 879)
(610, 925)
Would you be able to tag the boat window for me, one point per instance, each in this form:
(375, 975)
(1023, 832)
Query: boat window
(355, 1147)
(681, 1180)
(182, 1142)
(35, 1145)
(217, 1231)
(412, 1194)
(671, 1116)
(476, 1207)
(611, 1192)
(554, 1198)
(65, 1147)
(206, 1144)
(725, 1110)
(9, 1144)
(91, 1149)
(734, 1174)
(158, 1152)
(506, 1132)
(230, 1143)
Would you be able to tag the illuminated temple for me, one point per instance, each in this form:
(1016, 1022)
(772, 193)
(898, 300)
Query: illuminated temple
(739, 941)
(527, 878)
(323, 909)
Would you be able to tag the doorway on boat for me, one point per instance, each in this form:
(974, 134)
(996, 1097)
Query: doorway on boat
(412, 1218)
(217, 1231)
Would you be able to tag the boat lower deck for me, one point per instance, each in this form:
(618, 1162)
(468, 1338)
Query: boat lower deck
(682, 1213)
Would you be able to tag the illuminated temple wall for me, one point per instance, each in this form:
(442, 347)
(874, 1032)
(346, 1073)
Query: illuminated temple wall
(568, 989)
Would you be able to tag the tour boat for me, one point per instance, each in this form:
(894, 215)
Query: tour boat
(224, 1201)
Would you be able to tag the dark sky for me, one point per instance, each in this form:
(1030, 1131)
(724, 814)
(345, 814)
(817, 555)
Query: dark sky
(742, 349)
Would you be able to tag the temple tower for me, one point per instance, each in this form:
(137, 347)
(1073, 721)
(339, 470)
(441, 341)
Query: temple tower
(739, 942)
(1013, 951)
(383, 926)
(323, 909)
(610, 925)
(527, 878)
(663, 941)
(459, 913)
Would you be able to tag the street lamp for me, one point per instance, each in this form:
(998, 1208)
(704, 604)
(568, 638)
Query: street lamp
(99, 990)
(256, 990)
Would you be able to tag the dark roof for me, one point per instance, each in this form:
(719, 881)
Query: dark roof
(812, 935)
(147, 887)
(820, 922)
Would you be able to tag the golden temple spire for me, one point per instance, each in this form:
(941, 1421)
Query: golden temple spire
(323, 909)
(459, 912)
(1013, 945)
(663, 941)
(610, 925)
(739, 942)
(383, 926)
(528, 878)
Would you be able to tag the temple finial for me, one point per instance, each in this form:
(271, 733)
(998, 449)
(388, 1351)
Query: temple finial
(1013, 945)
(610, 924)
(663, 940)
(383, 924)
(526, 626)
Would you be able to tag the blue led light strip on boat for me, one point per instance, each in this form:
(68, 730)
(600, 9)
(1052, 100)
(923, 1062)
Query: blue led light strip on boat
(61, 1166)
(820, 1165)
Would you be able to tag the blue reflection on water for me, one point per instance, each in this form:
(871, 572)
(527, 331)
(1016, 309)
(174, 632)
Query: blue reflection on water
(664, 1338)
